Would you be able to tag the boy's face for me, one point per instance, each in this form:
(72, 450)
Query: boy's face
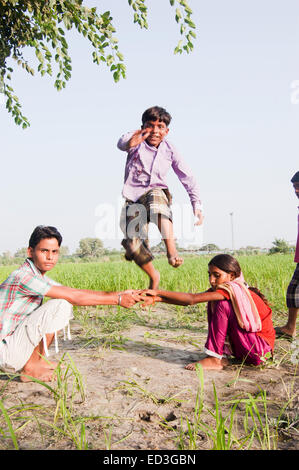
(296, 187)
(157, 131)
(45, 254)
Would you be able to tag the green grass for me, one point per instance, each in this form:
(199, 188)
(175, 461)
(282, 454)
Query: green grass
(235, 427)
(271, 274)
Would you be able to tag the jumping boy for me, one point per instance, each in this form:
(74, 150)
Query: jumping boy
(289, 330)
(147, 198)
(27, 327)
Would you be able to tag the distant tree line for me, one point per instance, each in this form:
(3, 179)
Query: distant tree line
(92, 249)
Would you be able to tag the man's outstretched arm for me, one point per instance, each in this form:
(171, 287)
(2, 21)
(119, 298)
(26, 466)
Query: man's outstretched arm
(85, 297)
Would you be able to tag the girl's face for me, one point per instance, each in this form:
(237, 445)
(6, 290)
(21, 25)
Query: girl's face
(217, 276)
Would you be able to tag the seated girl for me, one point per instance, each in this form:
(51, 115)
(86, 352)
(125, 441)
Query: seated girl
(235, 310)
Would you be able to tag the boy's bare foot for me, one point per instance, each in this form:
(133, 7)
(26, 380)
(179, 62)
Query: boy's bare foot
(175, 260)
(39, 372)
(209, 363)
(154, 281)
(284, 332)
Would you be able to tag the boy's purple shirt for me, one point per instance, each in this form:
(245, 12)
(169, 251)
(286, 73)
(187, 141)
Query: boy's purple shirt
(147, 168)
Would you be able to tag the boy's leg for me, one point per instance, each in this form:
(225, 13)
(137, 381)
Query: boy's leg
(134, 225)
(292, 298)
(166, 229)
(289, 329)
(152, 273)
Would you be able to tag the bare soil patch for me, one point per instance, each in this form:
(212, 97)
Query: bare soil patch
(138, 393)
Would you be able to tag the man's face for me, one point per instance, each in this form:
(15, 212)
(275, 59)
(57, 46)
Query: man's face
(157, 131)
(296, 187)
(45, 255)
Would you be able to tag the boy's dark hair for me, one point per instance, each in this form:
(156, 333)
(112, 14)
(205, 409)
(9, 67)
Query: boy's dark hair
(156, 113)
(44, 231)
(295, 178)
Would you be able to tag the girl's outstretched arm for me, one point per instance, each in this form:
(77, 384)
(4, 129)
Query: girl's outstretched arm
(181, 298)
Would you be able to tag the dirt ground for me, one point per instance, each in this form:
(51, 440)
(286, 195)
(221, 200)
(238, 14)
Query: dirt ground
(139, 394)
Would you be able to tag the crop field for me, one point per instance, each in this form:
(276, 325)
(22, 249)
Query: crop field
(121, 383)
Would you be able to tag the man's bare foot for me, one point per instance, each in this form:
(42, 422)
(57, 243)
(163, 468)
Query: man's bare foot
(175, 261)
(209, 363)
(154, 281)
(39, 372)
(50, 364)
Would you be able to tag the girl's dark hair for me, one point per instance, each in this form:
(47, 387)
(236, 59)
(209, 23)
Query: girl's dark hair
(156, 113)
(226, 263)
(44, 231)
(229, 264)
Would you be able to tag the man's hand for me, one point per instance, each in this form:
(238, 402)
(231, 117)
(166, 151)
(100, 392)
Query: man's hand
(129, 298)
(199, 215)
(138, 137)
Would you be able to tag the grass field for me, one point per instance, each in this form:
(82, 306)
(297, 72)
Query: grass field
(246, 408)
(271, 274)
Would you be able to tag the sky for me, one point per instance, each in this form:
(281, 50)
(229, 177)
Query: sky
(234, 103)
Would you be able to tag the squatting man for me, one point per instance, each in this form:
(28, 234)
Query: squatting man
(27, 325)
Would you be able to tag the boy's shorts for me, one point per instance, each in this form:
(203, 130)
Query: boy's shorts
(16, 349)
(293, 290)
(134, 221)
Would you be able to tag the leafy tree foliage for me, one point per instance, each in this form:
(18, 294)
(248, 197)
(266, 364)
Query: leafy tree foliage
(90, 248)
(209, 247)
(21, 253)
(279, 246)
(42, 25)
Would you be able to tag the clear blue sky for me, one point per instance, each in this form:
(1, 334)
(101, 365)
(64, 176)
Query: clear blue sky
(233, 121)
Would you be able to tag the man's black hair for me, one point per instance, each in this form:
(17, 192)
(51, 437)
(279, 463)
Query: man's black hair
(295, 178)
(44, 231)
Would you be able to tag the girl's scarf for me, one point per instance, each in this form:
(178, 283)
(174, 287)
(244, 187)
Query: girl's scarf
(243, 304)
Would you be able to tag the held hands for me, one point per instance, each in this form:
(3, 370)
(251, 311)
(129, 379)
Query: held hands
(130, 297)
(138, 137)
(150, 297)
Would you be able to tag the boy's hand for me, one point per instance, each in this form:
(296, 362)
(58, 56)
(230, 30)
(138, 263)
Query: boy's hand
(138, 137)
(199, 215)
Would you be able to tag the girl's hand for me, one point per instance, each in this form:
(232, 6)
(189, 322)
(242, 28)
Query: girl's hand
(148, 301)
(151, 292)
(150, 297)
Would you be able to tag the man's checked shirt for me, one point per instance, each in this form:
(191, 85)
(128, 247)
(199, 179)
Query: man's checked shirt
(20, 294)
